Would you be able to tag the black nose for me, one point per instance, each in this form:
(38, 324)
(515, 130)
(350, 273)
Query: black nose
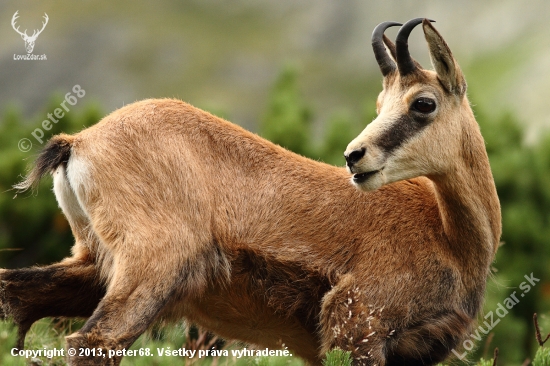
(354, 156)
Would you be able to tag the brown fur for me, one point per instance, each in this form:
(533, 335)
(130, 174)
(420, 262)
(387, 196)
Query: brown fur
(182, 214)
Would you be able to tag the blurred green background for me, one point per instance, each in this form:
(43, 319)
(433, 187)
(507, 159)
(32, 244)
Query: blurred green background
(300, 73)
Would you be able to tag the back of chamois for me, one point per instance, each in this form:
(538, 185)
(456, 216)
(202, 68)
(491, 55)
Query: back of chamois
(177, 213)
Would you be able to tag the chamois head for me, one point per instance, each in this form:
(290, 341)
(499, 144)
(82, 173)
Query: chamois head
(420, 113)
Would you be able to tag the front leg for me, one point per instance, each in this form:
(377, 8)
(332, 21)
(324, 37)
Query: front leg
(351, 324)
(69, 289)
(376, 335)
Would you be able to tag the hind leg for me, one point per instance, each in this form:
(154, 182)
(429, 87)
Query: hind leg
(121, 317)
(70, 289)
(146, 276)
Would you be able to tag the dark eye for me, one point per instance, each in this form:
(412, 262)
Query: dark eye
(424, 105)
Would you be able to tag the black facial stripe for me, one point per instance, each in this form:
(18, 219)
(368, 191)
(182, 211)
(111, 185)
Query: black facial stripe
(403, 129)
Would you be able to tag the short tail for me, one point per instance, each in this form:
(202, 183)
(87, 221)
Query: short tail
(56, 152)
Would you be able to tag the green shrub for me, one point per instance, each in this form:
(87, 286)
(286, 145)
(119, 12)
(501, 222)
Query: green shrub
(542, 357)
(337, 357)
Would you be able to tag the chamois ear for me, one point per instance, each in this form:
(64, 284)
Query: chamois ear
(390, 46)
(447, 69)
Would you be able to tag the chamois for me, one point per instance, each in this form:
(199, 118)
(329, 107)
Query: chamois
(179, 214)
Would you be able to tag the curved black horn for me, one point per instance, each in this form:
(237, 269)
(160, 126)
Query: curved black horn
(405, 63)
(384, 61)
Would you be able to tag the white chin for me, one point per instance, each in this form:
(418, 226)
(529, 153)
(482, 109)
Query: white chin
(371, 184)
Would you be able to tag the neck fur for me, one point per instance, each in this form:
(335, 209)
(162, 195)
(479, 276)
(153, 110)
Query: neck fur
(469, 206)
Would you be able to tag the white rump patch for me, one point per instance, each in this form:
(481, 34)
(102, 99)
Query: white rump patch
(69, 186)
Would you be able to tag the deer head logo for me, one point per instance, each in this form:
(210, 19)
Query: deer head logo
(29, 40)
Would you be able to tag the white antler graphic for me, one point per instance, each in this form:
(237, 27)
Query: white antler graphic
(29, 41)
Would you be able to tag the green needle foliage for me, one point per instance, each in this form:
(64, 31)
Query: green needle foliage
(337, 357)
(542, 357)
